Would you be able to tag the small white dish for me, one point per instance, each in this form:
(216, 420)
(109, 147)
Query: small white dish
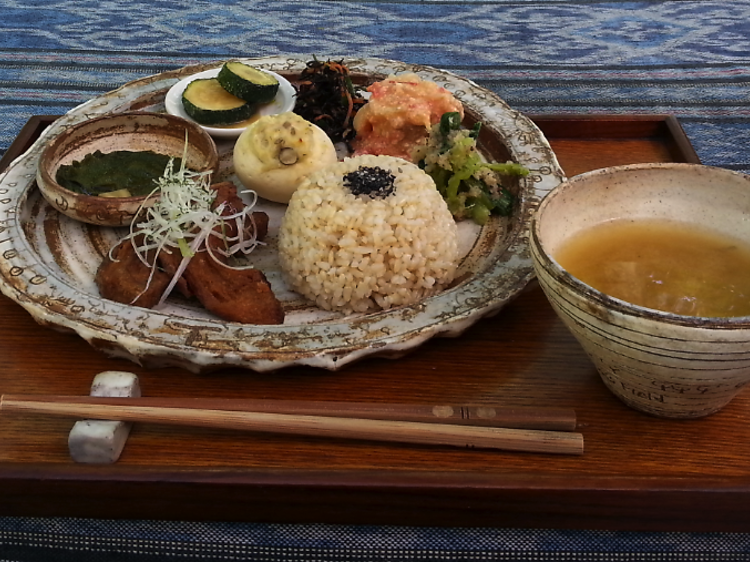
(284, 101)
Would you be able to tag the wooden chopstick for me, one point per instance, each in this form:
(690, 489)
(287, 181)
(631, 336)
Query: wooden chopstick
(561, 419)
(183, 412)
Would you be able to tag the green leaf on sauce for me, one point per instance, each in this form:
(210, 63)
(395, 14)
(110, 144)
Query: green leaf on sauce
(99, 173)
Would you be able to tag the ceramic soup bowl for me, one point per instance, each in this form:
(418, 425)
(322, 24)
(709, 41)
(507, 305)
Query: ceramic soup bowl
(656, 362)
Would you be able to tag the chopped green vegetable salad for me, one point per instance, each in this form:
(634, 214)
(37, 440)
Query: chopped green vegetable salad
(471, 187)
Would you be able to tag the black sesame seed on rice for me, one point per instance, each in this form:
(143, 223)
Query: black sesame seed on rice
(370, 180)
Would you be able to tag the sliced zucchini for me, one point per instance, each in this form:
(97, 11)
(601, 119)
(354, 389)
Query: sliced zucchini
(209, 104)
(248, 83)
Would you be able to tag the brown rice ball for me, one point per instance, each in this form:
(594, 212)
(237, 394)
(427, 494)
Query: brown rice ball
(351, 248)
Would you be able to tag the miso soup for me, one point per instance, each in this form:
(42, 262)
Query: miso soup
(668, 266)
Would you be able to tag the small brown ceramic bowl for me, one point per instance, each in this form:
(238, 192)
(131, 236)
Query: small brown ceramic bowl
(156, 132)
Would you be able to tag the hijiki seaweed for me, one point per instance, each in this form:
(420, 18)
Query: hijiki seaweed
(327, 97)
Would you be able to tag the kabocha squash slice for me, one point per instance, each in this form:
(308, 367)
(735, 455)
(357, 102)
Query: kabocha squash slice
(209, 104)
(248, 83)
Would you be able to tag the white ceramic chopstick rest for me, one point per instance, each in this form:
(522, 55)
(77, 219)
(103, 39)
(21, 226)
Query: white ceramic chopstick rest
(102, 441)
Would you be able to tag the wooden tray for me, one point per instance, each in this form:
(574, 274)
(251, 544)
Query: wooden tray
(638, 472)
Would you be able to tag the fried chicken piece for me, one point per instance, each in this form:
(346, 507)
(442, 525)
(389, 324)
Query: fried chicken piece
(169, 261)
(237, 295)
(226, 192)
(124, 278)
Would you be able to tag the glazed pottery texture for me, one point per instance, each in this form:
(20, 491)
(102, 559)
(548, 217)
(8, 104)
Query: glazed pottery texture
(160, 133)
(660, 363)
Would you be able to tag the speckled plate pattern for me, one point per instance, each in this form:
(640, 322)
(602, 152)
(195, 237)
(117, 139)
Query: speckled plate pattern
(48, 261)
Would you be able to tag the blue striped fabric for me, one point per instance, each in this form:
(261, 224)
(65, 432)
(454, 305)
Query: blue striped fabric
(690, 59)
(687, 58)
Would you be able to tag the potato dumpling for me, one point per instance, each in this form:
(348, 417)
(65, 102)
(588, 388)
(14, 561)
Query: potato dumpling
(276, 152)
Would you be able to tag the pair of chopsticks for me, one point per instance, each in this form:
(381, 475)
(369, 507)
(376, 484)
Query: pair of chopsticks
(512, 429)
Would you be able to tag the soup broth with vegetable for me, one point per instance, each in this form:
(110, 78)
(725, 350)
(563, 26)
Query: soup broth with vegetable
(668, 266)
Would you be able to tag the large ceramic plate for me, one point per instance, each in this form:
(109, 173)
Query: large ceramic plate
(49, 261)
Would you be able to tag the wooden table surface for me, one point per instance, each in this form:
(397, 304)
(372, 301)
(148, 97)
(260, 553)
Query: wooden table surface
(637, 472)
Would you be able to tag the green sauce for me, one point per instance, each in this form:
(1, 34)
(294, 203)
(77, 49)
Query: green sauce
(100, 173)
